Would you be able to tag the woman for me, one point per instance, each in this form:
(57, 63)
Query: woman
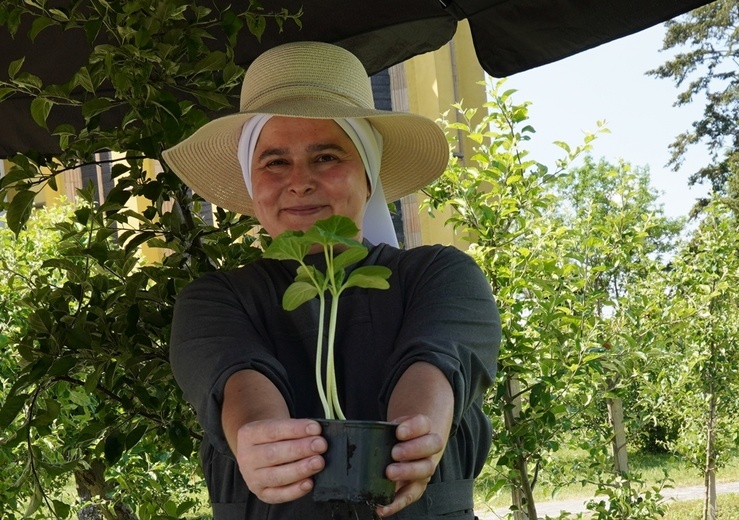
(306, 144)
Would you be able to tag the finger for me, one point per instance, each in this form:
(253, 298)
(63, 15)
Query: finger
(287, 475)
(405, 495)
(412, 426)
(422, 469)
(279, 495)
(418, 448)
(283, 452)
(262, 432)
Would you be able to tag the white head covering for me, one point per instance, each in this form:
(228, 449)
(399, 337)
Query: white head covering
(377, 225)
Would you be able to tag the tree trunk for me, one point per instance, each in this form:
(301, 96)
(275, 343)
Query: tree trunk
(522, 496)
(709, 507)
(616, 417)
(90, 483)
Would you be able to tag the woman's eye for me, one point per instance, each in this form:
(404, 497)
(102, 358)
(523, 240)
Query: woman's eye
(275, 162)
(325, 158)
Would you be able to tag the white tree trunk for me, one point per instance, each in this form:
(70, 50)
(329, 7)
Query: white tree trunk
(710, 510)
(616, 417)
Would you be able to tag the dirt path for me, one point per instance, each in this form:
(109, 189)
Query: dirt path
(578, 505)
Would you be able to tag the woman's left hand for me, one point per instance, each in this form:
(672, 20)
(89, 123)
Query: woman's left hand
(416, 456)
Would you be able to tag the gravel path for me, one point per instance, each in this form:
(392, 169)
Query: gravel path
(578, 505)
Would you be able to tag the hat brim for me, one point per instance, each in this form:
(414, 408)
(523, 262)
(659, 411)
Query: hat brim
(415, 151)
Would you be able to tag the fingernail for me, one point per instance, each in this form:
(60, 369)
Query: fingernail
(313, 429)
(396, 453)
(318, 445)
(402, 431)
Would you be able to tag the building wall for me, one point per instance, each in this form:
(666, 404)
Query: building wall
(433, 83)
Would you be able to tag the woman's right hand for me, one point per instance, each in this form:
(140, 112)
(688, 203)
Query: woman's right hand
(278, 457)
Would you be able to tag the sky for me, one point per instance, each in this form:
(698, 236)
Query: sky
(609, 83)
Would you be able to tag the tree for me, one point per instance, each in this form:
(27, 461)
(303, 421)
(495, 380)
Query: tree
(560, 250)
(94, 400)
(19, 258)
(708, 66)
(621, 235)
(699, 379)
(553, 353)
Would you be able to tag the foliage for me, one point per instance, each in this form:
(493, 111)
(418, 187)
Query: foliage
(94, 397)
(94, 401)
(19, 259)
(626, 498)
(551, 355)
(561, 251)
(703, 355)
(707, 66)
(335, 235)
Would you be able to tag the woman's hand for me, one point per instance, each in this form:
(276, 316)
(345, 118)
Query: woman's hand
(277, 457)
(416, 456)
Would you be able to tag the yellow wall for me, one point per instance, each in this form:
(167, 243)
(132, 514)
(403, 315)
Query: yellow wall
(437, 80)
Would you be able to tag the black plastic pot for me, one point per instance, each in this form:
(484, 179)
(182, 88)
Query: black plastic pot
(358, 454)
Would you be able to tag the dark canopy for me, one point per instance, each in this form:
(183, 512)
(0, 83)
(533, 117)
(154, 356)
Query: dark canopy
(510, 36)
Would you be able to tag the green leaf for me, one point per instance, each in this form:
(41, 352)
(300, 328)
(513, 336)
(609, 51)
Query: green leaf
(369, 277)
(38, 25)
(337, 229)
(291, 245)
(212, 61)
(20, 210)
(114, 445)
(15, 67)
(181, 439)
(256, 25)
(297, 294)
(17, 174)
(61, 509)
(350, 256)
(139, 239)
(95, 106)
(135, 435)
(11, 408)
(83, 79)
(40, 108)
(62, 366)
(308, 274)
(212, 100)
(6, 92)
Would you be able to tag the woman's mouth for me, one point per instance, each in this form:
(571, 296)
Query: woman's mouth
(303, 210)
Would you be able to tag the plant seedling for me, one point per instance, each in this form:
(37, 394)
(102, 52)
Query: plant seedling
(336, 235)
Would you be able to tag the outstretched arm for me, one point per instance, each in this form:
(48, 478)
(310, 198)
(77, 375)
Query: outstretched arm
(422, 403)
(276, 455)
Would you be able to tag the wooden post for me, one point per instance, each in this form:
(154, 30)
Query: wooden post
(616, 417)
(710, 508)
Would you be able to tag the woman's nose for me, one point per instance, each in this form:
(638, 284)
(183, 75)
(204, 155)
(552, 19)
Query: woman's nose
(301, 180)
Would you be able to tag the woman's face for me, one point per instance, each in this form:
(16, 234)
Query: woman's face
(305, 170)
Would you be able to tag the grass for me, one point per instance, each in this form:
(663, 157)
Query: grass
(728, 509)
(651, 467)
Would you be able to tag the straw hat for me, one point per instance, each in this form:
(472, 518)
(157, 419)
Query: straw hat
(312, 80)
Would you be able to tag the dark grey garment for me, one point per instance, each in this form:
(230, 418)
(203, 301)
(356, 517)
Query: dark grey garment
(439, 309)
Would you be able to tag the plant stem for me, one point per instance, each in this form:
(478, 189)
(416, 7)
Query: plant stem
(333, 393)
(327, 412)
(331, 386)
